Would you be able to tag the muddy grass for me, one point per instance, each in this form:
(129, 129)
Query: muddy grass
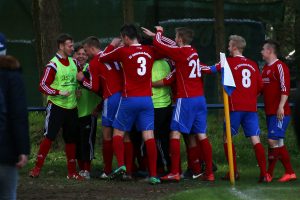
(60, 188)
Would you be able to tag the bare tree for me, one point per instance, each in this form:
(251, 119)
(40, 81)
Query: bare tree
(128, 11)
(47, 25)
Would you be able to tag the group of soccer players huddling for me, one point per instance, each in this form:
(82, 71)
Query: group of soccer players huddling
(133, 78)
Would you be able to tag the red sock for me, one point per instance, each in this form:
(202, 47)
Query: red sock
(194, 159)
(107, 153)
(128, 147)
(200, 154)
(285, 159)
(273, 154)
(43, 151)
(233, 154)
(118, 146)
(87, 166)
(189, 159)
(175, 155)
(207, 155)
(152, 156)
(261, 158)
(80, 164)
(70, 150)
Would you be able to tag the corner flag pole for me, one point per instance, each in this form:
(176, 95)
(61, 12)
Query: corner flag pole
(228, 136)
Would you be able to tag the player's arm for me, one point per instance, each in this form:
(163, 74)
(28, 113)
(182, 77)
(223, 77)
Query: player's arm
(284, 78)
(163, 38)
(212, 69)
(111, 56)
(170, 51)
(92, 82)
(47, 79)
(167, 81)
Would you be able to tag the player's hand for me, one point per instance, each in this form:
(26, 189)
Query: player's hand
(159, 28)
(116, 42)
(22, 161)
(148, 32)
(280, 113)
(64, 93)
(80, 76)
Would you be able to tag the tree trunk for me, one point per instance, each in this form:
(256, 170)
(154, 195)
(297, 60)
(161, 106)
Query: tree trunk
(297, 38)
(47, 26)
(128, 11)
(220, 44)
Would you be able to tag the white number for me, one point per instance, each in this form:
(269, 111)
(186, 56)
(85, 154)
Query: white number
(196, 71)
(142, 69)
(246, 81)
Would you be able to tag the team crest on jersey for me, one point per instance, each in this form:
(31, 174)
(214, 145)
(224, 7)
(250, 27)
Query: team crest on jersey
(268, 71)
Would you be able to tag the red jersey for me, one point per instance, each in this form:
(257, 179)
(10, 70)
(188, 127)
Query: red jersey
(189, 81)
(103, 77)
(137, 61)
(276, 82)
(49, 76)
(248, 83)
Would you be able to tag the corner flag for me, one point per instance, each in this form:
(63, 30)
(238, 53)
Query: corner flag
(227, 78)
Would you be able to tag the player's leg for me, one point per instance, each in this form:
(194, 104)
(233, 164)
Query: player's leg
(193, 156)
(250, 124)
(276, 134)
(70, 136)
(235, 121)
(53, 122)
(128, 150)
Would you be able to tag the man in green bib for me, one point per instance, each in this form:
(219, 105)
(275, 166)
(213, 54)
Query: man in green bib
(59, 84)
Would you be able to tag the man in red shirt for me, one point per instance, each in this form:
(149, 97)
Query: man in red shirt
(107, 78)
(276, 89)
(243, 103)
(136, 105)
(59, 83)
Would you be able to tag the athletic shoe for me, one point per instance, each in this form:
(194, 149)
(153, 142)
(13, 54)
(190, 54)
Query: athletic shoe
(195, 176)
(226, 177)
(210, 177)
(75, 176)
(35, 172)
(265, 179)
(188, 174)
(214, 167)
(288, 177)
(103, 176)
(117, 172)
(126, 177)
(85, 174)
(171, 177)
(153, 180)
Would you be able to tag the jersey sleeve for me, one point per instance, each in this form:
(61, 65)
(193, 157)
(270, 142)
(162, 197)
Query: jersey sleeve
(111, 56)
(92, 83)
(206, 69)
(169, 80)
(283, 76)
(169, 50)
(47, 79)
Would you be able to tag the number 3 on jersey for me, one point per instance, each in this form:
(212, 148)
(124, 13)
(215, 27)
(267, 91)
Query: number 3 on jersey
(196, 70)
(142, 69)
(246, 81)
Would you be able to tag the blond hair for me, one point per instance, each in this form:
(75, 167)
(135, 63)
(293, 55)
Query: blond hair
(238, 41)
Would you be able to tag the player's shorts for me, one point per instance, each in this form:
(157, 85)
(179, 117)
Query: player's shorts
(135, 110)
(110, 107)
(189, 115)
(58, 117)
(277, 128)
(248, 120)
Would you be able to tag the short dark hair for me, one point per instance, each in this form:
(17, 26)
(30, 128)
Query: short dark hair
(78, 47)
(62, 38)
(185, 34)
(129, 30)
(92, 41)
(273, 45)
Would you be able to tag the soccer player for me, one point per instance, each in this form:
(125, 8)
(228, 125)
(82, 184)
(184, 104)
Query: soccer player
(276, 89)
(87, 118)
(59, 83)
(243, 103)
(108, 79)
(136, 105)
(189, 114)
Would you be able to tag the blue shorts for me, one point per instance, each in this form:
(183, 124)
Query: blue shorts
(189, 115)
(277, 128)
(135, 110)
(110, 107)
(248, 120)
